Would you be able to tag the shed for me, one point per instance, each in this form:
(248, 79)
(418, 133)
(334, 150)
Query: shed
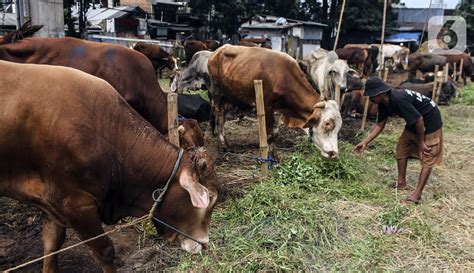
(285, 34)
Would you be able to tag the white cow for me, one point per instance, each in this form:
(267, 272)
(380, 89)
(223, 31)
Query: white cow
(326, 71)
(195, 74)
(398, 55)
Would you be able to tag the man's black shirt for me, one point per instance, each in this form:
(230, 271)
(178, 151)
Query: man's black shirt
(411, 105)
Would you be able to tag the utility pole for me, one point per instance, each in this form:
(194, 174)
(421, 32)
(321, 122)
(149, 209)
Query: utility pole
(20, 13)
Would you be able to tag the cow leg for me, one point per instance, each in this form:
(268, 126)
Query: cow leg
(87, 224)
(272, 132)
(53, 238)
(220, 121)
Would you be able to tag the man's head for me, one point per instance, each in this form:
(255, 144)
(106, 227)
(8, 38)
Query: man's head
(376, 90)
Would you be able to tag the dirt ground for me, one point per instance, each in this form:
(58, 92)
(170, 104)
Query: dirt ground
(20, 225)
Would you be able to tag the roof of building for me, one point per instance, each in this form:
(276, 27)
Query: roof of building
(273, 22)
(101, 14)
(403, 37)
(167, 2)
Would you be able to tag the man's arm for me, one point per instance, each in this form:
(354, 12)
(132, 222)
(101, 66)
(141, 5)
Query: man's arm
(374, 132)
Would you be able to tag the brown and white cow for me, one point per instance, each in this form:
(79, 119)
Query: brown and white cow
(158, 57)
(233, 69)
(73, 147)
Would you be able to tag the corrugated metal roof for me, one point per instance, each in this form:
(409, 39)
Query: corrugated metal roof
(269, 22)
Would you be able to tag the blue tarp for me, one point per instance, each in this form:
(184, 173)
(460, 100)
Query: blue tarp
(403, 37)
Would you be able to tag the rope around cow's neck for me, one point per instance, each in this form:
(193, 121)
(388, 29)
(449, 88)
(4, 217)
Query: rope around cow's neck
(134, 222)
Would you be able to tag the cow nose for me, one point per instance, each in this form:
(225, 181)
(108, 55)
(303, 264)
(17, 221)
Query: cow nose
(332, 155)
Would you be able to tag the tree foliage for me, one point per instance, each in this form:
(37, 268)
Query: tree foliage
(367, 15)
(466, 10)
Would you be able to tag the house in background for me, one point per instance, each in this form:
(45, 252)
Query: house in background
(285, 34)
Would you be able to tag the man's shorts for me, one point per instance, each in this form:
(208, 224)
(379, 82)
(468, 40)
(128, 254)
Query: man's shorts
(407, 146)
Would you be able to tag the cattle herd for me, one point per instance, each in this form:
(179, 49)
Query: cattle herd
(83, 124)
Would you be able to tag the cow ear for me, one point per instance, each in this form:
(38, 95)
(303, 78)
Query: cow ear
(198, 193)
(352, 72)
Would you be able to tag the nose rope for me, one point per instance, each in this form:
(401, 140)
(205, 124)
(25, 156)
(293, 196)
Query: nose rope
(161, 195)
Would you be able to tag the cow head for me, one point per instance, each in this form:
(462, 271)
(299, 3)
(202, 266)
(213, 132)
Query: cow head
(324, 133)
(190, 134)
(337, 73)
(188, 204)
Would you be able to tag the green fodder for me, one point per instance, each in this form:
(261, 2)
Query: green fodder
(466, 95)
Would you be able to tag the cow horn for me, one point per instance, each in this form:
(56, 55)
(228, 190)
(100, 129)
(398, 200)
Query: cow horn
(320, 104)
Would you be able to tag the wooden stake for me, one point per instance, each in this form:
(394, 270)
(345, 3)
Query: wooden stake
(338, 95)
(364, 116)
(339, 24)
(435, 83)
(382, 61)
(460, 71)
(438, 89)
(297, 56)
(446, 70)
(262, 129)
(173, 134)
(455, 79)
(385, 74)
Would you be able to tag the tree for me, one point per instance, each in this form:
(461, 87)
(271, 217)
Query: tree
(367, 15)
(466, 10)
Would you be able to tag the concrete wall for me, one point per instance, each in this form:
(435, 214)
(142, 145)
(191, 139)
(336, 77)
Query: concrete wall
(50, 14)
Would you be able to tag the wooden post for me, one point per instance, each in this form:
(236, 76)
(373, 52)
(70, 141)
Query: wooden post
(446, 70)
(455, 79)
(364, 116)
(435, 83)
(382, 58)
(339, 24)
(173, 134)
(385, 74)
(297, 56)
(338, 95)
(460, 71)
(262, 129)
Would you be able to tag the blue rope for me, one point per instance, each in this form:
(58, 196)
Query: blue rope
(270, 160)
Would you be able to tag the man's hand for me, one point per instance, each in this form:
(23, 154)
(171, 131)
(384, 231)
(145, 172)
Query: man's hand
(360, 148)
(424, 150)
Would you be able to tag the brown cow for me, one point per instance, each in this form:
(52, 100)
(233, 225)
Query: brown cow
(448, 90)
(191, 47)
(373, 51)
(128, 71)
(158, 57)
(425, 62)
(212, 45)
(455, 56)
(354, 102)
(356, 56)
(190, 135)
(232, 70)
(73, 147)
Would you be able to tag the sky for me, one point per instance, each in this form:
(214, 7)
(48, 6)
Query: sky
(448, 4)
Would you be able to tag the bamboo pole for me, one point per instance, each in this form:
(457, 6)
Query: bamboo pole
(446, 70)
(297, 56)
(339, 25)
(173, 134)
(455, 77)
(338, 95)
(385, 74)
(262, 129)
(460, 71)
(382, 62)
(435, 83)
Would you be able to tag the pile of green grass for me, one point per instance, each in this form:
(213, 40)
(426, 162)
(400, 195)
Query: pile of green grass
(466, 95)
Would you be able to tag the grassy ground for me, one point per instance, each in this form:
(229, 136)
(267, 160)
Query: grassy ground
(314, 214)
